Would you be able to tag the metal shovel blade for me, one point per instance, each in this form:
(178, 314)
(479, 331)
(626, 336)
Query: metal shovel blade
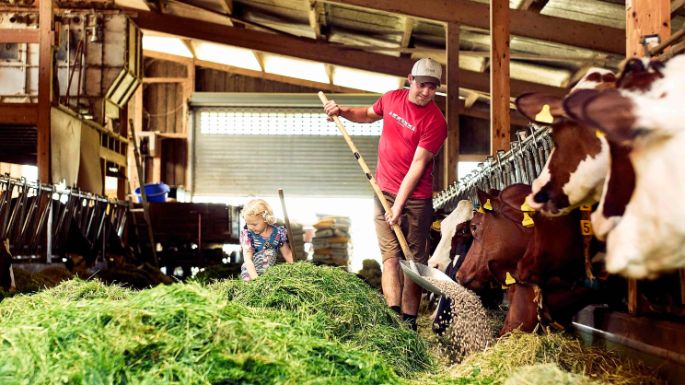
(422, 272)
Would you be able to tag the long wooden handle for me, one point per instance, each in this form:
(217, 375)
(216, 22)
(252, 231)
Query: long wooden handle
(396, 228)
(287, 223)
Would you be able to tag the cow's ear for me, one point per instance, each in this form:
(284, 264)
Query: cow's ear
(612, 113)
(573, 103)
(540, 108)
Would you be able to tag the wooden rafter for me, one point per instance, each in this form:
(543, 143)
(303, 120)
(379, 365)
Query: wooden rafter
(175, 7)
(315, 51)
(676, 5)
(313, 15)
(407, 30)
(533, 5)
(189, 44)
(523, 23)
(227, 6)
(250, 73)
(260, 59)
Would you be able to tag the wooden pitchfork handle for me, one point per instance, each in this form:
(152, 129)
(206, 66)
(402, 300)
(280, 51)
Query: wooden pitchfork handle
(287, 224)
(396, 228)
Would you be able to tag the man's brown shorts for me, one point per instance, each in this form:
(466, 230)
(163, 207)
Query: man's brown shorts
(415, 222)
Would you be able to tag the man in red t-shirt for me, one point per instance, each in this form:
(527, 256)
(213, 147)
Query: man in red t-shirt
(414, 129)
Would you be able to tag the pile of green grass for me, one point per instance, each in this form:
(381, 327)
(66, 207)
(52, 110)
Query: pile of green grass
(88, 333)
(343, 306)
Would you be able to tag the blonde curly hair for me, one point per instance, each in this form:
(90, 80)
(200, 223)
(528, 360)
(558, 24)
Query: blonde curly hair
(259, 208)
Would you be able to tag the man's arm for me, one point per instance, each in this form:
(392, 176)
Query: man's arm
(353, 114)
(422, 158)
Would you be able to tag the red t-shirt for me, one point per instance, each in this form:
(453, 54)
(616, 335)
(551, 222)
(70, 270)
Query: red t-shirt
(407, 126)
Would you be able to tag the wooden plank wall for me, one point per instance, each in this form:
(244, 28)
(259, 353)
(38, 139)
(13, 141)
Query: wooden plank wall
(164, 112)
(174, 161)
(163, 101)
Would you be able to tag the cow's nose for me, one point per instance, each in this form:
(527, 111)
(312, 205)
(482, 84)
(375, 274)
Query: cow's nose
(542, 196)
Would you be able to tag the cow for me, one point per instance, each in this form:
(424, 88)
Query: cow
(544, 272)
(574, 172)
(454, 236)
(499, 238)
(449, 255)
(650, 236)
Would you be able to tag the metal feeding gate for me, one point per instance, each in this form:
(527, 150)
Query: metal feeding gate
(39, 220)
(521, 164)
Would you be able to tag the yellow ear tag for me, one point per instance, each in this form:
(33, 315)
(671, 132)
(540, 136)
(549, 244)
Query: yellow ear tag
(509, 280)
(488, 205)
(544, 116)
(599, 134)
(436, 225)
(480, 210)
(527, 220)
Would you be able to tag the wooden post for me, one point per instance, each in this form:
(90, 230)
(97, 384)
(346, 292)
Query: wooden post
(44, 89)
(644, 18)
(499, 75)
(452, 107)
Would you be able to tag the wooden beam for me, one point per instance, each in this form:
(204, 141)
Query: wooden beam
(453, 106)
(407, 30)
(255, 74)
(499, 76)
(194, 12)
(227, 6)
(313, 15)
(19, 35)
(523, 23)
(533, 5)
(19, 113)
(643, 18)
(163, 80)
(260, 59)
(191, 48)
(676, 5)
(45, 12)
(315, 51)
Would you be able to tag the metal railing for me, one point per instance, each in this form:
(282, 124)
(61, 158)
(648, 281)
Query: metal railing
(36, 218)
(521, 164)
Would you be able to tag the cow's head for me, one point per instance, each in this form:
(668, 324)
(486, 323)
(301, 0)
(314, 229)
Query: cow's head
(649, 117)
(575, 169)
(455, 236)
(499, 237)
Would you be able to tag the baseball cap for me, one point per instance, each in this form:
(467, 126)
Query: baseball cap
(427, 70)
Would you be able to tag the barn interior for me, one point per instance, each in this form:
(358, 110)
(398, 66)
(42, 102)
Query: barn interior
(206, 104)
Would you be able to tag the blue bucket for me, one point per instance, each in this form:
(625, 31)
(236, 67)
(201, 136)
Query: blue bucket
(156, 192)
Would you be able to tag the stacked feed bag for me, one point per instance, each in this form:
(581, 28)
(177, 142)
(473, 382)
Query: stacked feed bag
(296, 240)
(332, 241)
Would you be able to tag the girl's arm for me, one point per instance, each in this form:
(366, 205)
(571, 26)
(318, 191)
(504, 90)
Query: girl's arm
(287, 253)
(248, 252)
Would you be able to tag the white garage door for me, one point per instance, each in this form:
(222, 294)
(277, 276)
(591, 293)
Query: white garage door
(255, 149)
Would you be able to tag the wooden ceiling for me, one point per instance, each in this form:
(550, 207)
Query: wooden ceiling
(553, 41)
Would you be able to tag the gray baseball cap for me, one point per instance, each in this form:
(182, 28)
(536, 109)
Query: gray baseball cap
(427, 70)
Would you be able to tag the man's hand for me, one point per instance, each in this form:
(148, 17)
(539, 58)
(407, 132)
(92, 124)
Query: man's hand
(393, 216)
(332, 109)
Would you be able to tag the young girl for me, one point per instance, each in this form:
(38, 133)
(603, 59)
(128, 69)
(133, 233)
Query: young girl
(261, 240)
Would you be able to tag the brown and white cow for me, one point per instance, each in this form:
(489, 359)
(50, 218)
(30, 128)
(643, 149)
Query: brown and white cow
(499, 238)
(650, 236)
(575, 169)
(452, 228)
